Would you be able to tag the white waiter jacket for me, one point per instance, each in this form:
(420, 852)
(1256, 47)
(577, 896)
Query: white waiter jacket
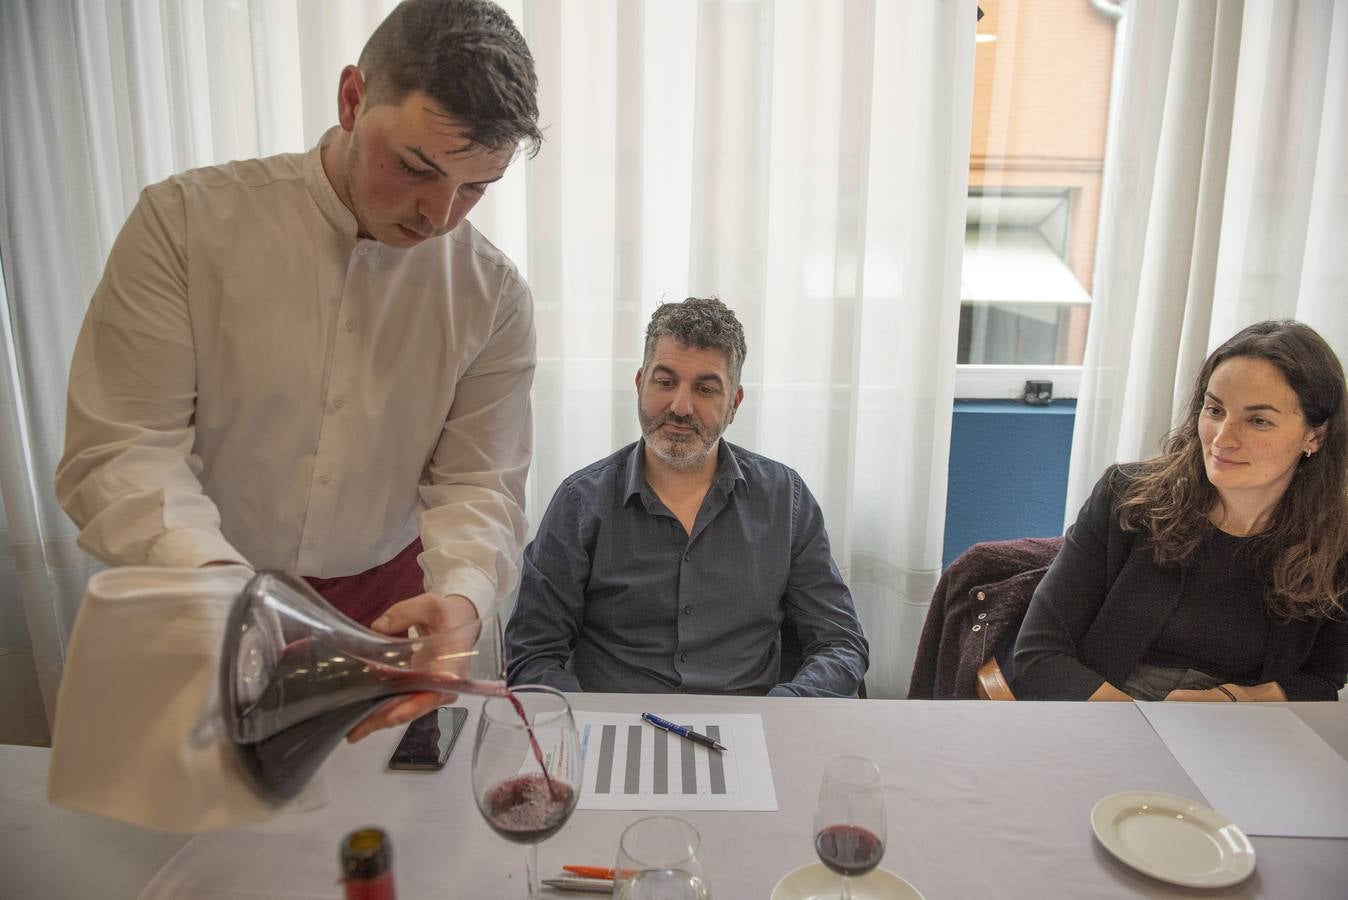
(254, 383)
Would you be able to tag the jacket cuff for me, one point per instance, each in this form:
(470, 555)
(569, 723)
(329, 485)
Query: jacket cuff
(469, 582)
(191, 548)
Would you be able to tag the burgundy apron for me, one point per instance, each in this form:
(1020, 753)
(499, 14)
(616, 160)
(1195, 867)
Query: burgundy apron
(365, 595)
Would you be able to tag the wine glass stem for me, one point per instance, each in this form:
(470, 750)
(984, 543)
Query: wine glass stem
(846, 889)
(531, 869)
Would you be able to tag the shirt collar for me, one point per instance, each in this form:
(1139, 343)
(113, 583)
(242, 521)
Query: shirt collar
(325, 197)
(728, 472)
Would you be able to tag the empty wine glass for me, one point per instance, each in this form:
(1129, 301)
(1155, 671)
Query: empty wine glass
(849, 819)
(527, 768)
(657, 860)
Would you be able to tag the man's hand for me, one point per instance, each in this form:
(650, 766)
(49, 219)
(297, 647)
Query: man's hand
(429, 614)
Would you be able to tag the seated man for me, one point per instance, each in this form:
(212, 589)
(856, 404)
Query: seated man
(672, 565)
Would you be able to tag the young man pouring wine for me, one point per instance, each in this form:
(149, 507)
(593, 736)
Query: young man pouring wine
(312, 362)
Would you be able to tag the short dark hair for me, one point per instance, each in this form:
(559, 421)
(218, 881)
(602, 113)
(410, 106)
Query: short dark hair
(469, 58)
(707, 324)
(1306, 543)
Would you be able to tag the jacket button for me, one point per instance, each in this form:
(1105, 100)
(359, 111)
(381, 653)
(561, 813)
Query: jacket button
(982, 616)
(688, 610)
(981, 596)
(978, 628)
(683, 657)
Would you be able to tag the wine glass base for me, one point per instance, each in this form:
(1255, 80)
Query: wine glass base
(816, 881)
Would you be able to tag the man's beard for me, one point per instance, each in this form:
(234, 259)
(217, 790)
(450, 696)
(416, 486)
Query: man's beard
(683, 452)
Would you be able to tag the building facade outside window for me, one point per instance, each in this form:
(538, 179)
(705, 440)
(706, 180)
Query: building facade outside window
(1042, 85)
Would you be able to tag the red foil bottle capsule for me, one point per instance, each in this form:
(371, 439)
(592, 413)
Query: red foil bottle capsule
(367, 865)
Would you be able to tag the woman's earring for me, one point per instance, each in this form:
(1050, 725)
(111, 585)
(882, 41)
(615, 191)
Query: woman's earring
(1308, 454)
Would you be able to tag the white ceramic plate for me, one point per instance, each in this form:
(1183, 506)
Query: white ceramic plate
(817, 882)
(1173, 839)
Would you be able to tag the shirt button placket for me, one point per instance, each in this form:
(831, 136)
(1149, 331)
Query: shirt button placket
(682, 655)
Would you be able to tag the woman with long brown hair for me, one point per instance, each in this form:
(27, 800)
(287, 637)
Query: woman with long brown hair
(1219, 569)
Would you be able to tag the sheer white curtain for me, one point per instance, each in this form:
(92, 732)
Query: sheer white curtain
(1225, 203)
(805, 161)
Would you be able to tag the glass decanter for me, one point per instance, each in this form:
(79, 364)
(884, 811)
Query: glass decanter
(296, 675)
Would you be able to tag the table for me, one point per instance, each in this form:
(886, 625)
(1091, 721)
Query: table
(985, 800)
(48, 852)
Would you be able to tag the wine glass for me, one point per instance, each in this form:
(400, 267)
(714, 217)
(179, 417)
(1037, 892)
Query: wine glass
(657, 860)
(849, 819)
(527, 768)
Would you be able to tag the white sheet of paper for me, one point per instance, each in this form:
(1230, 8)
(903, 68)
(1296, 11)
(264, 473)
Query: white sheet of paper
(1261, 767)
(630, 764)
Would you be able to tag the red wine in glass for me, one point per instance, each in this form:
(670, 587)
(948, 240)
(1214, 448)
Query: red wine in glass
(849, 849)
(527, 809)
(850, 824)
(522, 799)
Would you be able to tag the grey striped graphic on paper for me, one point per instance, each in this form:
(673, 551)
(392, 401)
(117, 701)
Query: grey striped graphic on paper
(633, 783)
(717, 765)
(628, 780)
(661, 782)
(605, 773)
(689, 765)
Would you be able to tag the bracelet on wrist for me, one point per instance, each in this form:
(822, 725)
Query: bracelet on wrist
(1227, 692)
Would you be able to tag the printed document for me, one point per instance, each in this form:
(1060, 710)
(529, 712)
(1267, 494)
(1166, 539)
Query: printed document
(1261, 767)
(630, 764)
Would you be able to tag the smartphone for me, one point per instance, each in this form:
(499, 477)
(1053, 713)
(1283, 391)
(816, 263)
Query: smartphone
(426, 743)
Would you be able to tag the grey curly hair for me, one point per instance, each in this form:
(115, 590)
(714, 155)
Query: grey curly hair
(703, 323)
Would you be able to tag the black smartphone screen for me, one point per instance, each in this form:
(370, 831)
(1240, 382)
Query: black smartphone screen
(427, 742)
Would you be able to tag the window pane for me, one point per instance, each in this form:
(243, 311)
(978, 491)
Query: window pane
(1041, 107)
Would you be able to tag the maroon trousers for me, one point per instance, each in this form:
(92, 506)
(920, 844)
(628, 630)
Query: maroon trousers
(365, 595)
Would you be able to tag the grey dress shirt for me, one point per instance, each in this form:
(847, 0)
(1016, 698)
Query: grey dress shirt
(616, 596)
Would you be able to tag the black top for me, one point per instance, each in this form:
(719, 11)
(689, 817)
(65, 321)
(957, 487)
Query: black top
(1221, 623)
(1105, 601)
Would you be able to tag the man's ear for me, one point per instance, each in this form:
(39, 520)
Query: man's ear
(735, 404)
(350, 97)
(640, 372)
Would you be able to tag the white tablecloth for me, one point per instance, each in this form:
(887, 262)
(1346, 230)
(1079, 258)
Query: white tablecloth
(48, 853)
(985, 800)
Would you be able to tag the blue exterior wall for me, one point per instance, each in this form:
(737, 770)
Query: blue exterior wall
(1008, 471)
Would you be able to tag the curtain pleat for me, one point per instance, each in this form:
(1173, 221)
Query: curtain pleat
(1221, 202)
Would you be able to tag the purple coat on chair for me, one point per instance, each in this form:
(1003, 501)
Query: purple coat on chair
(981, 598)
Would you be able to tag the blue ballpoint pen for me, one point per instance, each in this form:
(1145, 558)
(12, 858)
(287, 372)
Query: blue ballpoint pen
(683, 731)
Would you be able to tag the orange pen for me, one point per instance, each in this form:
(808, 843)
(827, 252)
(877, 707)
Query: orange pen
(593, 871)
